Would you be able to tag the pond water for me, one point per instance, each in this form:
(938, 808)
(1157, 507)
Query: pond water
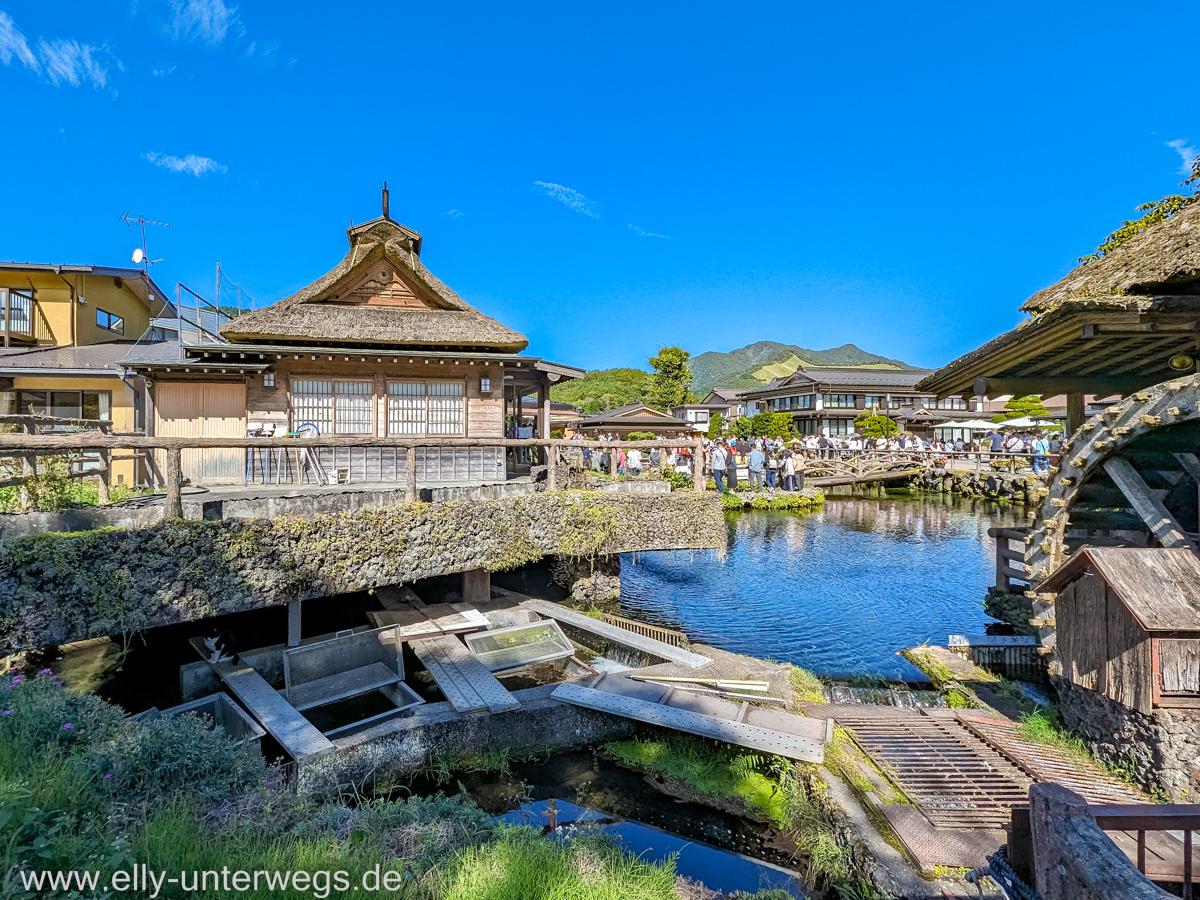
(838, 592)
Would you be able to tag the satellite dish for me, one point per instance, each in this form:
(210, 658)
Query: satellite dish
(138, 256)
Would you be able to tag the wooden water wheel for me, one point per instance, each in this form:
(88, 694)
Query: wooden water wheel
(1129, 477)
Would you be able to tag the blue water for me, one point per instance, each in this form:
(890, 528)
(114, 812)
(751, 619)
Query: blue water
(719, 870)
(838, 592)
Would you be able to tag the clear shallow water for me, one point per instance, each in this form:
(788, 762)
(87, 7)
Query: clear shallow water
(838, 592)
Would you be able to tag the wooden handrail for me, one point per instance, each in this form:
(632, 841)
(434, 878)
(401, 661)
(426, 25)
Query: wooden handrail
(20, 443)
(1147, 817)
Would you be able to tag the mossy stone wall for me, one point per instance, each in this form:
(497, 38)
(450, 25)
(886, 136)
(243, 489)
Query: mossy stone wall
(56, 588)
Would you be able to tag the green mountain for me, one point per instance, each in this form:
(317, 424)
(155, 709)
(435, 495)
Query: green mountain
(760, 362)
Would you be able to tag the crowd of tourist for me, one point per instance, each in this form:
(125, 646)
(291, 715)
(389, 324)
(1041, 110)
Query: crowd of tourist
(776, 462)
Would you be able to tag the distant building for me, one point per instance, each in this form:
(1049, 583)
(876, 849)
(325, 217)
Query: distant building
(63, 331)
(826, 400)
(730, 403)
(636, 417)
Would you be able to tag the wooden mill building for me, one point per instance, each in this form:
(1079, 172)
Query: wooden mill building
(377, 347)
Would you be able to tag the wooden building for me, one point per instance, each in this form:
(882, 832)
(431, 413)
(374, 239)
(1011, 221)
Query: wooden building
(377, 347)
(1113, 325)
(1128, 623)
(729, 403)
(638, 417)
(826, 400)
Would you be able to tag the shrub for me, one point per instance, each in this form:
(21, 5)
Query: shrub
(731, 502)
(641, 435)
(150, 763)
(38, 713)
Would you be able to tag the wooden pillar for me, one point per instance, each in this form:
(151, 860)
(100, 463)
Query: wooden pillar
(1074, 414)
(543, 395)
(698, 480)
(173, 508)
(148, 429)
(293, 637)
(551, 468)
(105, 474)
(410, 474)
(476, 586)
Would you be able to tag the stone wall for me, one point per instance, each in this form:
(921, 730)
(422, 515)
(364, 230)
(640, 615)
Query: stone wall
(1161, 749)
(403, 744)
(1026, 488)
(1012, 607)
(56, 588)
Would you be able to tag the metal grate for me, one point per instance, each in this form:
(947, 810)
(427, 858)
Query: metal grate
(1045, 763)
(953, 777)
(666, 635)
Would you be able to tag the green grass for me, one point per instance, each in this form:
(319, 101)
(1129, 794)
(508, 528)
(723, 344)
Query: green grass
(806, 687)
(709, 766)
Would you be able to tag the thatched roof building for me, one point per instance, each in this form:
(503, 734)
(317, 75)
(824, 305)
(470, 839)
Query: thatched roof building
(1122, 322)
(1162, 260)
(379, 295)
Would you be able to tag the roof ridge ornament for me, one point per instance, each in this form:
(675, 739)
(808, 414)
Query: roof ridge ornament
(385, 201)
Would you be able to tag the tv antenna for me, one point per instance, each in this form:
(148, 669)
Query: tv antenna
(140, 257)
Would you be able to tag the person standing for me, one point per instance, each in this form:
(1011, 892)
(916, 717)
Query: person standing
(633, 459)
(1041, 450)
(756, 468)
(719, 458)
(789, 471)
(772, 466)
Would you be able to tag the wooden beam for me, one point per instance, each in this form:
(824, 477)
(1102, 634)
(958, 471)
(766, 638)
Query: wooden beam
(1157, 517)
(1049, 387)
(410, 474)
(1075, 412)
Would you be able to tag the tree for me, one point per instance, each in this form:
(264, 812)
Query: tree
(603, 389)
(1022, 406)
(872, 424)
(671, 379)
(716, 426)
(765, 424)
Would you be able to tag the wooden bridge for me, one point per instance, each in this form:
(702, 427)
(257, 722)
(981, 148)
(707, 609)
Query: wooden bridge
(864, 466)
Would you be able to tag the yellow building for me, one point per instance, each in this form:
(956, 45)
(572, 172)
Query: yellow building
(63, 332)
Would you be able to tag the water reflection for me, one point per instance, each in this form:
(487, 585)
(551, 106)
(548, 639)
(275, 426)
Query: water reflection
(839, 591)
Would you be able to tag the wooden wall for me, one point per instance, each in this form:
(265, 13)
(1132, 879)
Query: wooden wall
(484, 412)
(1102, 646)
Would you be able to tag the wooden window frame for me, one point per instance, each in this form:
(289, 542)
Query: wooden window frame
(333, 419)
(426, 382)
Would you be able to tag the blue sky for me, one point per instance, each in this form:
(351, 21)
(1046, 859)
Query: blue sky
(607, 178)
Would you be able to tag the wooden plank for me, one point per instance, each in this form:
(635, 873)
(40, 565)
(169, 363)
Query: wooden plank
(740, 733)
(1157, 517)
(1180, 661)
(618, 635)
(1127, 669)
(467, 684)
(299, 738)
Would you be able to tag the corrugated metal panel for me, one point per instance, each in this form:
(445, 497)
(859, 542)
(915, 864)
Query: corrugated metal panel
(203, 410)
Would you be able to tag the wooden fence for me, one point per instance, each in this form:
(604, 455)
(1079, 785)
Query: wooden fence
(30, 446)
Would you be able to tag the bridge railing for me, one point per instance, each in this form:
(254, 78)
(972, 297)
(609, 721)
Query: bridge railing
(28, 447)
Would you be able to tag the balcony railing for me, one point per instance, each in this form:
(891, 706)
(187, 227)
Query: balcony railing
(21, 318)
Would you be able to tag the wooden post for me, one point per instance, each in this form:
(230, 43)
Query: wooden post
(105, 475)
(1159, 521)
(173, 509)
(476, 586)
(551, 468)
(698, 480)
(1002, 581)
(543, 419)
(612, 464)
(1074, 414)
(293, 637)
(410, 474)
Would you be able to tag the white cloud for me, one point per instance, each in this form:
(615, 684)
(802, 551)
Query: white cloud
(206, 20)
(1186, 152)
(162, 73)
(452, 213)
(570, 198)
(59, 60)
(190, 164)
(642, 232)
(71, 62)
(13, 43)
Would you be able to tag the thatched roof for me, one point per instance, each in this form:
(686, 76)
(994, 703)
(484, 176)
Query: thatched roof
(1163, 259)
(380, 294)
